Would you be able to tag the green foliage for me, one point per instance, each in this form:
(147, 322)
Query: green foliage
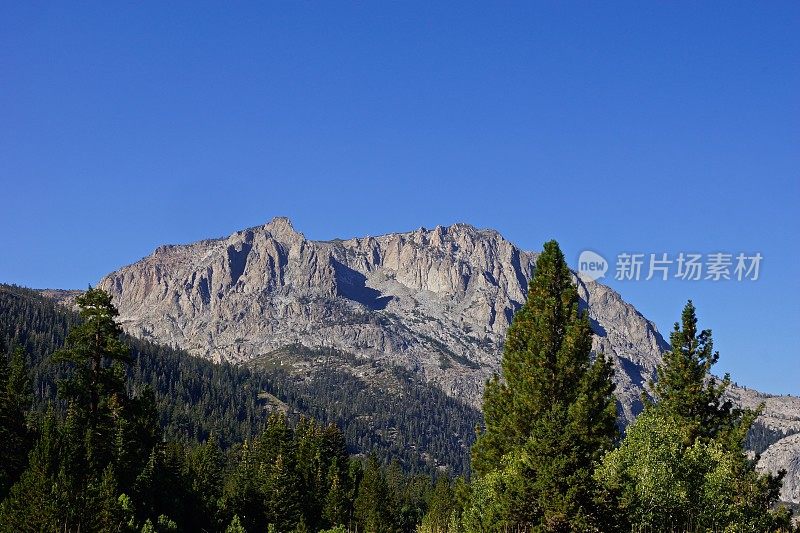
(660, 480)
(235, 526)
(96, 458)
(371, 506)
(682, 464)
(15, 401)
(79, 466)
(550, 416)
(99, 462)
(164, 524)
(337, 529)
(443, 504)
(426, 421)
(93, 347)
(34, 500)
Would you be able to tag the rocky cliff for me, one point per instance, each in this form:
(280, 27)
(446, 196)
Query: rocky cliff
(436, 301)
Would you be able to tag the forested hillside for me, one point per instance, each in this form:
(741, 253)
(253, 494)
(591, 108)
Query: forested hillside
(96, 458)
(408, 421)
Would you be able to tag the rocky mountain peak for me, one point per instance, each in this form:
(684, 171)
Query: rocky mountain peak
(435, 301)
(282, 229)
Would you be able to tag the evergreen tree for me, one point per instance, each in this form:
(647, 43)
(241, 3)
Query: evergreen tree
(440, 508)
(243, 490)
(336, 507)
(15, 401)
(235, 526)
(282, 494)
(551, 415)
(371, 506)
(92, 347)
(35, 502)
(95, 385)
(100, 462)
(686, 389)
(94, 456)
(109, 513)
(206, 468)
(311, 465)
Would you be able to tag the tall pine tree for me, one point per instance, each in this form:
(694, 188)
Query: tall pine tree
(686, 389)
(551, 414)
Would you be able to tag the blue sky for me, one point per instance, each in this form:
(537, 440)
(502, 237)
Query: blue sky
(650, 127)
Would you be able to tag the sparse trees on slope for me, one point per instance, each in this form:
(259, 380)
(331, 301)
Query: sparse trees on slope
(550, 415)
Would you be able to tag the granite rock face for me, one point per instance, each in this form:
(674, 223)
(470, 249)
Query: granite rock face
(436, 301)
(785, 455)
(780, 416)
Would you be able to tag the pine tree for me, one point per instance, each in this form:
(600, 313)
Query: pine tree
(15, 401)
(206, 464)
(35, 502)
(107, 512)
(93, 346)
(371, 506)
(311, 465)
(440, 508)
(242, 493)
(95, 386)
(685, 387)
(551, 414)
(283, 494)
(336, 507)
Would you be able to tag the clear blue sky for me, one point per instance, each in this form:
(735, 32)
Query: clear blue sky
(642, 126)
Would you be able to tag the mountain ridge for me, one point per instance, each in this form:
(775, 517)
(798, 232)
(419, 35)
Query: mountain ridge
(424, 299)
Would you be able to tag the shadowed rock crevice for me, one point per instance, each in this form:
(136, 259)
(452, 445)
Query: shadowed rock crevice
(352, 285)
(237, 260)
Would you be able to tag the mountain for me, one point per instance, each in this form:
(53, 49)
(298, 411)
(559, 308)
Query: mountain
(435, 303)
